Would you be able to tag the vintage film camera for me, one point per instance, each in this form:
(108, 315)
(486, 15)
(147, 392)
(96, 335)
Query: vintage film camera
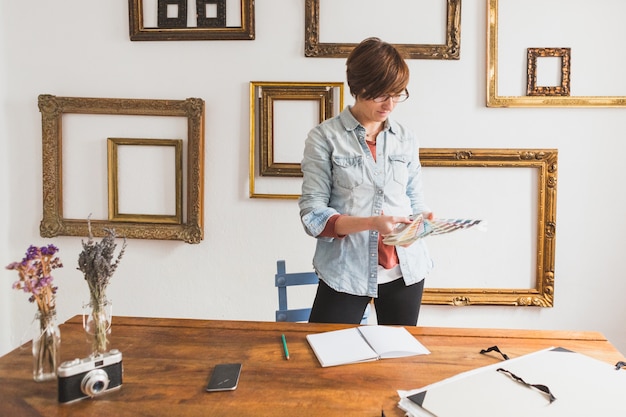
(91, 376)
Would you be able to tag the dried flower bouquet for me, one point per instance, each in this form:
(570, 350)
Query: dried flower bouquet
(98, 263)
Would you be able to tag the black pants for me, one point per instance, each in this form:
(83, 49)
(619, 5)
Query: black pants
(396, 304)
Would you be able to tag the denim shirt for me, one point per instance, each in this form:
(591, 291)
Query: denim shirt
(342, 177)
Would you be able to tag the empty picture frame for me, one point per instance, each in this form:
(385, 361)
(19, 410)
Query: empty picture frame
(450, 50)
(532, 89)
(189, 114)
(147, 188)
(486, 264)
(281, 115)
(591, 32)
(228, 23)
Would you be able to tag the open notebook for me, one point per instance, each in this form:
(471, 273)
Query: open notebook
(364, 343)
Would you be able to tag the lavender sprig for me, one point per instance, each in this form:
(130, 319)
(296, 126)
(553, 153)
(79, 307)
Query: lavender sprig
(97, 263)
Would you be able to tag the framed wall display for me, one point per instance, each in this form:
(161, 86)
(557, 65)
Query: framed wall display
(589, 33)
(536, 89)
(154, 193)
(75, 133)
(512, 261)
(175, 20)
(406, 17)
(281, 115)
(172, 13)
(207, 18)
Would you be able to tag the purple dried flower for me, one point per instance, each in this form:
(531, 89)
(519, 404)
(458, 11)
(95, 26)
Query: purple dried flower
(35, 272)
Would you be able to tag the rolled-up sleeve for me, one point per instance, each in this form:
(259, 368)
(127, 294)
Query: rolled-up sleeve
(316, 185)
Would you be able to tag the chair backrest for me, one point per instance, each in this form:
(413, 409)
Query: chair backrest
(283, 280)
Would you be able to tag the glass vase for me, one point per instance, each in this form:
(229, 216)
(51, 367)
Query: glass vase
(46, 347)
(97, 316)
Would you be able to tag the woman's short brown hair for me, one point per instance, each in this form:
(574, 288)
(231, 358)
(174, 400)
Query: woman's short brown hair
(375, 68)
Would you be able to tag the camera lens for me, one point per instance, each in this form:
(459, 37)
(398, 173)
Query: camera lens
(94, 382)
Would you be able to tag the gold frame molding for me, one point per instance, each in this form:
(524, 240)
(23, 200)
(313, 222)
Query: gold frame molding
(113, 181)
(495, 100)
(140, 33)
(323, 94)
(450, 51)
(532, 89)
(53, 224)
(262, 107)
(545, 162)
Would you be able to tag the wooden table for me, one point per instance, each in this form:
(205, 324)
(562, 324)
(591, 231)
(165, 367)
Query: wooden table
(167, 363)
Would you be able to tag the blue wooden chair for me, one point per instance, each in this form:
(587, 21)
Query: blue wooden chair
(282, 280)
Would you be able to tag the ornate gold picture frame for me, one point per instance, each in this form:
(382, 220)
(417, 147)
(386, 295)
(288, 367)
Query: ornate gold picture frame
(449, 51)
(326, 100)
(211, 29)
(494, 99)
(54, 223)
(532, 89)
(271, 93)
(114, 169)
(541, 293)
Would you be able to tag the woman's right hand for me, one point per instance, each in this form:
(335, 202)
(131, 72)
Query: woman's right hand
(386, 224)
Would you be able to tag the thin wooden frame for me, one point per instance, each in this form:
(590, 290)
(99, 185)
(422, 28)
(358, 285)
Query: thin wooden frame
(545, 162)
(115, 215)
(449, 51)
(53, 224)
(140, 33)
(269, 94)
(262, 98)
(532, 89)
(496, 100)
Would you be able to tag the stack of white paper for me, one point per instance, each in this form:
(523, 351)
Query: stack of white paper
(582, 386)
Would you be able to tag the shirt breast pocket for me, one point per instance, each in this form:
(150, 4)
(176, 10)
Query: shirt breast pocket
(348, 171)
(399, 168)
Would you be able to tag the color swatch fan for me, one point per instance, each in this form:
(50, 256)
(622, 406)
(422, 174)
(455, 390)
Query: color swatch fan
(407, 233)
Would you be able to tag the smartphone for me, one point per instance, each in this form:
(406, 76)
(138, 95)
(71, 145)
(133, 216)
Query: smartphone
(225, 377)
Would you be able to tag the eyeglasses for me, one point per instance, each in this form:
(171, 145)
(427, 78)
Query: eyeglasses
(396, 99)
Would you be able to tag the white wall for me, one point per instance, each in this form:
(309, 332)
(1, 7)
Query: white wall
(5, 300)
(81, 48)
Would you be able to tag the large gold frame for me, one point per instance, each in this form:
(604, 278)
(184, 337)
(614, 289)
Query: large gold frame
(262, 124)
(113, 145)
(545, 162)
(450, 50)
(53, 224)
(140, 33)
(495, 100)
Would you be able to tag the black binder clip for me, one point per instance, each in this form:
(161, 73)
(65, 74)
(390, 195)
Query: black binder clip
(495, 349)
(619, 365)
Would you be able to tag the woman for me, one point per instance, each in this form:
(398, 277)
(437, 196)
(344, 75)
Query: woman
(362, 176)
